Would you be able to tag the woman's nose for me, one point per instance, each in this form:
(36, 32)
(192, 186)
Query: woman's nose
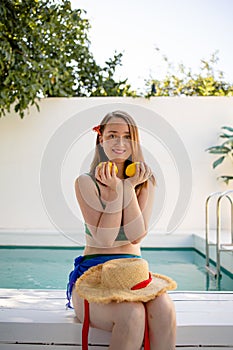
(120, 140)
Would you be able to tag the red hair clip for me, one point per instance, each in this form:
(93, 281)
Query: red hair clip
(97, 129)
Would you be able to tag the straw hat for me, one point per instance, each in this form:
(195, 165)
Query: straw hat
(126, 279)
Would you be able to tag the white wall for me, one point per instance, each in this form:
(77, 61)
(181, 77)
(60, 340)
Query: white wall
(23, 143)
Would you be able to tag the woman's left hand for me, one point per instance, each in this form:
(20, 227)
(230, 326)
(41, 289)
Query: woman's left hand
(142, 174)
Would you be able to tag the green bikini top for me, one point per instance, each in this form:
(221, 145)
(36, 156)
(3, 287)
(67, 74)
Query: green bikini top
(121, 234)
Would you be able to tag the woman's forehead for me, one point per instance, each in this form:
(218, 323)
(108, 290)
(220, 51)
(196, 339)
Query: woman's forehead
(117, 124)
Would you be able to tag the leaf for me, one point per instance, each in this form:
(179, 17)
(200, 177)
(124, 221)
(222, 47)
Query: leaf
(228, 142)
(218, 149)
(225, 136)
(228, 128)
(226, 178)
(218, 162)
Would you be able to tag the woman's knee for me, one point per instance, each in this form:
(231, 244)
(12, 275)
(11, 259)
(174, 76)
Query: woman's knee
(162, 307)
(129, 323)
(167, 304)
(131, 313)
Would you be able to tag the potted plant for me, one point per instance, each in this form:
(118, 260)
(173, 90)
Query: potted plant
(225, 150)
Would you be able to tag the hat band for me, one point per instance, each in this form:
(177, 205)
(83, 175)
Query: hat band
(142, 284)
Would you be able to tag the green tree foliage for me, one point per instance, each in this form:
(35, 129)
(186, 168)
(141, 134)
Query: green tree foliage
(45, 51)
(181, 81)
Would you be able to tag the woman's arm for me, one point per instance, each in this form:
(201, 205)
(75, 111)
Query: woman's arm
(137, 209)
(103, 223)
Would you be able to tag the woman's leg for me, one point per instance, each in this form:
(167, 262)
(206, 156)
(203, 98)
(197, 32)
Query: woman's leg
(126, 321)
(162, 323)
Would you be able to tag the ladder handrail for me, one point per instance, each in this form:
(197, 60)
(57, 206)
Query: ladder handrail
(207, 223)
(218, 228)
(221, 195)
(225, 194)
(218, 213)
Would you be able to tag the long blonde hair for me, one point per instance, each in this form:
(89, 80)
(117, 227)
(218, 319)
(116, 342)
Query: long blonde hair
(137, 156)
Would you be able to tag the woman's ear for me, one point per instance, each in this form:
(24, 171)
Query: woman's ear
(101, 140)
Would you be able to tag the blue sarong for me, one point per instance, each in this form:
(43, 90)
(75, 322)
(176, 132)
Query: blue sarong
(83, 263)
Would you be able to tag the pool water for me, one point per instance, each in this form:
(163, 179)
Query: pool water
(48, 268)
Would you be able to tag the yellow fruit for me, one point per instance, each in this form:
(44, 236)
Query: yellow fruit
(115, 167)
(131, 169)
(110, 166)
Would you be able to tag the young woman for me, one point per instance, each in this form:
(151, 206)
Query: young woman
(116, 209)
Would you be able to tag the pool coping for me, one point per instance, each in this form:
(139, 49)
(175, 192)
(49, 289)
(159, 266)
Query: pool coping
(39, 316)
(29, 237)
(42, 238)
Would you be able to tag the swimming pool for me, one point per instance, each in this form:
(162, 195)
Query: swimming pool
(48, 267)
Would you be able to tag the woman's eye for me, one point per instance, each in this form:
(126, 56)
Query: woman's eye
(113, 136)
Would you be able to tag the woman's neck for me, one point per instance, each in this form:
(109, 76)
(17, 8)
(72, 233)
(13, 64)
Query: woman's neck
(121, 172)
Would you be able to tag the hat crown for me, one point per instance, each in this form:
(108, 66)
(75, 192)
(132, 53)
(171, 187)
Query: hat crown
(124, 273)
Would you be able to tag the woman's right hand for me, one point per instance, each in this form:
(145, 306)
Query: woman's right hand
(106, 175)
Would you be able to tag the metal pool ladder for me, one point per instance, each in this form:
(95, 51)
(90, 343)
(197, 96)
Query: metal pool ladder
(219, 247)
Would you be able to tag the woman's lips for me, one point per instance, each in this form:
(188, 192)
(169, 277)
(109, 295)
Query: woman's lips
(118, 151)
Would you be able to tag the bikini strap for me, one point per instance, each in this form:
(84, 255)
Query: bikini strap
(96, 183)
(94, 180)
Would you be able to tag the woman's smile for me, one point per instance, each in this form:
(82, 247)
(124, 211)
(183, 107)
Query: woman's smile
(118, 150)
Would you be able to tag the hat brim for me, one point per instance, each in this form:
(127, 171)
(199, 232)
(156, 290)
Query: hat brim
(88, 287)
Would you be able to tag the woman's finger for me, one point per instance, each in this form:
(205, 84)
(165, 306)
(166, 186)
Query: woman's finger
(107, 170)
(113, 172)
(143, 168)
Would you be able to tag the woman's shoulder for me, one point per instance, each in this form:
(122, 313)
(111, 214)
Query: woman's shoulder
(86, 182)
(85, 178)
(87, 189)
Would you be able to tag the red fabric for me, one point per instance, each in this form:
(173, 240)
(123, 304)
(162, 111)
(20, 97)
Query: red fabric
(85, 329)
(146, 332)
(97, 129)
(142, 284)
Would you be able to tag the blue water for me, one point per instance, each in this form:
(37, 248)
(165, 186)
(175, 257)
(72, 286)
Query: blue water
(48, 268)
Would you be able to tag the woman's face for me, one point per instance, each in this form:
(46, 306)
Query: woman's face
(116, 140)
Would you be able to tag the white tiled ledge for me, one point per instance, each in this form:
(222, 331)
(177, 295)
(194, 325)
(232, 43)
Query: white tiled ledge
(29, 237)
(39, 316)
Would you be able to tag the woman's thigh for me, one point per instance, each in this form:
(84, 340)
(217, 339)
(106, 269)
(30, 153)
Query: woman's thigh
(104, 316)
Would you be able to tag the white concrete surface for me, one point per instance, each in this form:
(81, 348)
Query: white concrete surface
(38, 318)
